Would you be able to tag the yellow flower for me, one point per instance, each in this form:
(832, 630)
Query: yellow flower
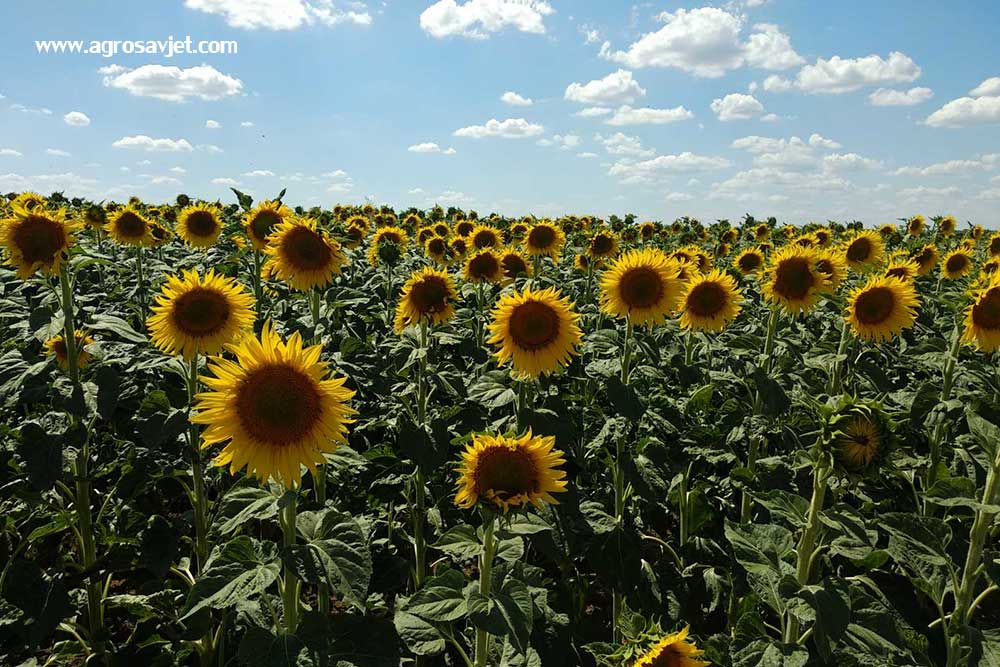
(199, 315)
(956, 264)
(544, 240)
(483, 266)
(926, 259)
(56, 346)
(915, 225)
(536, 331)
(28, 202)
(37, 240)
(514, 264)
(199, 225)
(903, 268)
(602, 244)
(387, 244)
(128, 227)
(510, 471)
(833, 266)
(429, 294)
(303, 256)
(263, 219)
(643, 286)
(647, 230)
(436, 248)
(673, 651)
(793, 279)
(994, 246)
(946, 225)
(864, 250)
(274, 407)
(709, 302)
(484, 236)
(749, 262)
(982, 317)
(881, 308)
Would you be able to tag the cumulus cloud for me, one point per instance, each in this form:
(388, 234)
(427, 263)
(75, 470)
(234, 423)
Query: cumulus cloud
(593, 112)
(620, 143)
(430, 147)
(511, 128)
(843, 75)
(586, 155)
(212, 124)
(950, 167)
(988, 88)
(513, 99)
(76, 119)
(477, 19)
(56, 152)
(626, 115)
(777, 84)
(649, 170)
(259, 173)
(737, 106)
(246, 123)
(966, 112)
(927, 192)
(225, 181)
(769, 48)
(146, 143)
(819, 141)
(10, 152)
(849, 162)
(172, 84)
(886, 97)
(284, 14)
(563, 141)
(616, 88)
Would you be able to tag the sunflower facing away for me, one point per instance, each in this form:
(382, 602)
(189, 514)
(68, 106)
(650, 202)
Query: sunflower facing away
(199, 225)
(510, 471)
(982, 317)
(56, 346)
(128, 227)
(881, 308)
(864, 250)
(859, 436)
(673, 651)
(749, 262)
(36, 240)
(544, 240)
(956, 264)
(536, 331)
(429, 294)
(275, 407)
(302, 256)
(793, 279)
(709, 302)
(264, 219)
(199, 315)
(643, 286)
(387, 245)
(483, 266)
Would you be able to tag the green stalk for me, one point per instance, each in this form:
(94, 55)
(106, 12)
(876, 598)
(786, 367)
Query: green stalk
(314, 300)
(69, 327)
(807, 543)
(937, 437)
(419, 510)
(88, 547)
(485, 582)
(258, 286)
(290, 587)
(140, 279)
(746, 502)
(200, 497)
(837, 379)
(617, 600)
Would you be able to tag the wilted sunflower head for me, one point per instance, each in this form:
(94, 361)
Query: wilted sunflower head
(387, 245)
(709, 302)
(536, 331)
(749, 262)
(793, 279)
(263, 219)
(982, 317)
(483, 266)
(880, 309)
(199, 225)
(510, 471)
(37, 240)
(545, 240)
(303, 256)
(673, 651)
(436, 248)
(429, 295)
(859, 435)
(915, 225)
(484, 236)
(642, 286)
(602, 244)
(946, 225)
(275, 407)
(56, 347)
(129, 227)
(864, 250)
(196, 314)
(956, 264)
(514, 264)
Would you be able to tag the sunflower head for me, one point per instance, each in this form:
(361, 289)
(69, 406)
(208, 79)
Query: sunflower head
(674, 650)
(28, 202)
(643, 286)
(429, 295)
(887, 230)
(880, 309)
(56, 347)
(465, 227)
(37, 240)
(762, 231)
(709, 302)
(303, 256)
(994, 245)
(859, 436)
(514, 264)
(199, 225)
(823, 236)
(647, 230)
(483, 266)
(274, 407)
(902, 267)
(956, 264)
(196, 314)
(536, 331)
(833, 266)
(926, 259)
(510, 471)
(424, 234)
(749, 262)
(545, 240)
(864, 250)
(946, 225)
(412, 221)
(442, 229)
(129, 227)
(484, 236)
(602, 244)
(95, 217)
(793, 279)
(459, 247)
(387, 245)
(436, 248)
(915, 225)
(161, 235)
(982, 317)
(263, 220)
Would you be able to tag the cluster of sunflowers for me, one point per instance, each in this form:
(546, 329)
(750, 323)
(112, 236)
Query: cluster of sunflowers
(533, 293)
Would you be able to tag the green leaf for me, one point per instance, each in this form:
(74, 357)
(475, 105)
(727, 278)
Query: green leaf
(624, 400)
(242, 505)
(336, 554)
(763, 653)
(419, 636)
(441, 599)
(460, 541)
(490, 390)
(42, 455)
(776, 402)
(117, 326)
(244, 569)
(42, 599)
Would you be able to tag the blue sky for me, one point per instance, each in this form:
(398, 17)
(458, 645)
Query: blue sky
(803, 110)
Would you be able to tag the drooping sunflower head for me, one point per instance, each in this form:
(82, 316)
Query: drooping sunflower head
(956, 264)
(510, 471)
(275, 408)
(643, 286)
(915, 225)
(926, 259)
(484, 236)
(199, 225)
(196, 314)
(536, 331)
(544, 240)
(793, 279)
(56, 347)
(859, 435)
(387, 245)
(483, 266)
(709, 302)
(129, 227)
(946, 225)
(982, 317)
(37, 240)
(514, 264)
(673, 651)
(602, 244)
(263, 220)
(436, 248)
(880, 309)
(429, 295)
(303, 256)
(749, 262)
(864, 250)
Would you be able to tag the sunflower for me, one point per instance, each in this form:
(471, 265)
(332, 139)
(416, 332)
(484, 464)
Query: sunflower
(805, 241)
(199, 315)
(915, 225)
(424, 234)
(484, 236)
(643, 286)
(483, 266)
(429, 294)
(436, 248)
(263, 219)
(994, 245)
(647, 230)
(274, 406)
(387, 245)
(761, 232)
(56, 346)
(412, 221)
(946, 225)
(956, 264)
(709, 302)
(881, 308)
(833, 266)
(903, 268)
(536, 330)
(199, 225)
(584, 263)
(510, 471)
(864, 250)
(729, 236)
(859, 435)
(37, 240)
(465, 227)
(982, 317)
(26, 202)
(673, 651)
(823, 237)
(749, 262)
(303, 256)
(926, 259)
(514, 264)
(990, 266)
(359, 221)
(793, 279)
(602, 244)
(353, 236)
(887, 230)
(544, 240)
(128, 227)
(161, 235)
(459, 246)
(95, 217)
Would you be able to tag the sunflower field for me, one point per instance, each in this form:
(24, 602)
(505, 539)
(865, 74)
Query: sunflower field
(248, 433)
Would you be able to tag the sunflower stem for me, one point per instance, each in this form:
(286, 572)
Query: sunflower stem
(88, 546)
(937, 436)
(69, 327)
(314, 302)
(485, 582)
(807, 542)
(837, 378)
(258, 286)
(290, 587)
(419, 546)
(198, 473)
(746, 502)
(140, 280)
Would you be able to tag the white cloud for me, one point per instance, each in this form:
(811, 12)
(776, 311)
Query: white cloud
(511, 128)
(587, 155)
(593, 112)
(622, 144)
(426, 147)
(65, 182)
(925, 192)
(164, 180)
(476, 19)
(563, 141)
(777, 84)
(849, 162)
(76, 119)
(173, 84)
(783, 153)
(626, 115)
(513, 99)
(769, 48)
(843, 75)
(737, 106)
(414, 191)
(178, 170)
(988, 88)
(10, 152)
(679, 196)
(212, 124)
(449, 151)
(752, 183)
(56, 152)
(886, 97)
(256, 173)
(452, 197)
(284, 14)
(246, 123)
(770, 118)
(211, 149)
(590, 35)
(948, 167)
(989, 193)
(966, 112)
(616, 88)
(819, 141)
(649, 170)
(225, 181)
(143, 142)
(34, 110)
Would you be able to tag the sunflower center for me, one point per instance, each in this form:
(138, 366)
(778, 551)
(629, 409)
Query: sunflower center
(600, 245)
(641, 287)
(436, 246)
(430, 295)
(483, 266)
(504, 473)
(859, 250)
(39, 239)
(264, 222)
(534, 325)
(513, 265)
(463, 228)
(995, 246)
(278, 404)
(749, 262)
(875, 305)
(484, 239)
(956, 263)
(793, 278)
(201, 223)
(59, 347)
(898, 272)
(986, 313)
(305, 249)
(130, 225)
(542, 237)
(707, 299)
(668, 657)
(201, 312)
